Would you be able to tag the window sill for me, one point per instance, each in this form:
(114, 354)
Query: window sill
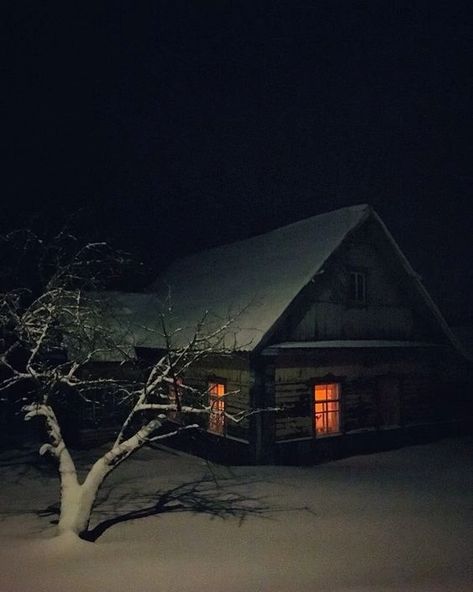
(324, 436)
(300, 439)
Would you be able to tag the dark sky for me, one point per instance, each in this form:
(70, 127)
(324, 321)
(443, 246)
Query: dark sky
(175, 125)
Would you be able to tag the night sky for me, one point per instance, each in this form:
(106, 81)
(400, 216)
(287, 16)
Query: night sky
(168, 126)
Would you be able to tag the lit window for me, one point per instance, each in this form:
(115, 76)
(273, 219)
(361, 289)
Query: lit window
(217, 407)
(357, 287)
(327, 408)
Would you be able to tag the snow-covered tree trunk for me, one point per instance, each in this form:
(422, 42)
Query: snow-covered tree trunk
(50, 339)
(77, 500)
(70, 494)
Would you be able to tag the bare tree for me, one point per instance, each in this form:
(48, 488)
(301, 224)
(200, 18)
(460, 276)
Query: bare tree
(50, 336)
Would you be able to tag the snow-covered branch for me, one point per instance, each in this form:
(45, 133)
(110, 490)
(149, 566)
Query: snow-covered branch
(55, 331)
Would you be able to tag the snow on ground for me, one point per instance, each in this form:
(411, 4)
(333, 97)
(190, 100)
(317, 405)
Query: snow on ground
(393, 521)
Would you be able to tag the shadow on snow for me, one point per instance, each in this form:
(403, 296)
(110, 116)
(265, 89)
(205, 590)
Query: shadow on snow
(201, 496)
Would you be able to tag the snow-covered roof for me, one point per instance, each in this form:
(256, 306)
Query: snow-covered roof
(345, 344)
(116, 324)
(254, 280)
(250, 282)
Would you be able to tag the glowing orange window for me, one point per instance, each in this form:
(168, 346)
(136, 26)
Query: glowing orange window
(217, 407)
(327, 408)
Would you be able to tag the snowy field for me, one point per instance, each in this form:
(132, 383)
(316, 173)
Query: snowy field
(394, 521)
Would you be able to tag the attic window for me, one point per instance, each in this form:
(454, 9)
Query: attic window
(327, 409)
(217, 408)
(357, 287)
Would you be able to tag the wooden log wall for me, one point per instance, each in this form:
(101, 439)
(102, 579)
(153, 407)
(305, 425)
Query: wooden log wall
(235, 374)
(376, 395)
(295, 418)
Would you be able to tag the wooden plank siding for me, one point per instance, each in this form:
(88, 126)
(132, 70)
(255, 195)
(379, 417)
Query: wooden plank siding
(360, 404)
(235, 374)
(295, 418)
(378, 391)
(419, 400)
(389, 312)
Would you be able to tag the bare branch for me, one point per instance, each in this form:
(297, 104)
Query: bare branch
(54, 333)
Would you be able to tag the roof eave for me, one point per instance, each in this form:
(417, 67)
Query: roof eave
(422, 291)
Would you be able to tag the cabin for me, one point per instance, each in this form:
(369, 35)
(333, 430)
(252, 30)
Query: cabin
(338, 348)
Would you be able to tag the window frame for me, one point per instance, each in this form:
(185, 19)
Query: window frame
(175, 391)
(354, 277)
(329, 380)
(217, 381)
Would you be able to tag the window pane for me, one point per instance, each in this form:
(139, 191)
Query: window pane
(320, 422)
(352, 286)
(332, 391)
(320, 392)
(357, 287)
